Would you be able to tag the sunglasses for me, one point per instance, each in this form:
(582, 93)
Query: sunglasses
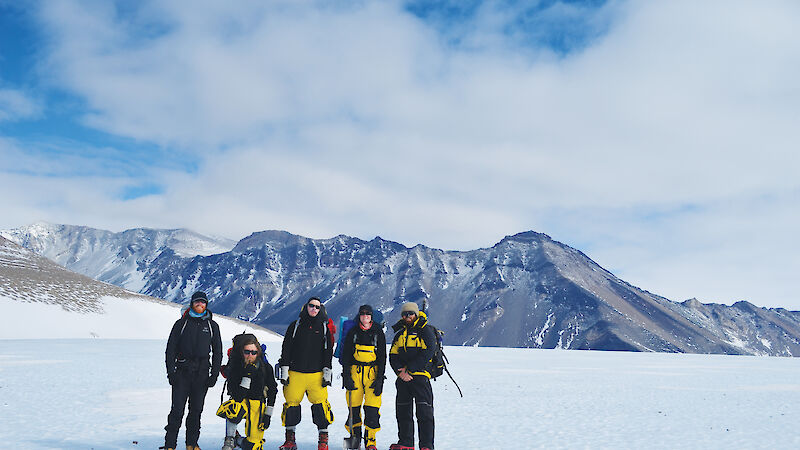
(311, 305)
(409, 313)
(250, 352)
(365, 313)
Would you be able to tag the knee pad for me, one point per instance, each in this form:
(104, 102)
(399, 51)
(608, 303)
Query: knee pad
(372, 417)
(322, 414)
(290, 416)
(232, 411)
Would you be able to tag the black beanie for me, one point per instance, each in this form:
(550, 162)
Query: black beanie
(365, 308)
(199, 295)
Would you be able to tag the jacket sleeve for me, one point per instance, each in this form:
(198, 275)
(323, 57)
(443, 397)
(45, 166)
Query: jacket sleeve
(216, 350)
(327, 352)
(420, 363)
(348, 348)
(271, 384)
(234, 381)
(172, 347)
(394, 357)
(381, 355)
(286, 349)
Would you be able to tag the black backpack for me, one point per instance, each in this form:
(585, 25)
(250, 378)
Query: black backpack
(438, 363)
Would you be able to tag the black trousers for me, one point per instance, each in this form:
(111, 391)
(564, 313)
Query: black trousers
(191, 386)
(417, 392)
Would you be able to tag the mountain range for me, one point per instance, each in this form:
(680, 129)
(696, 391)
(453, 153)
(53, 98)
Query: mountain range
(527, 290)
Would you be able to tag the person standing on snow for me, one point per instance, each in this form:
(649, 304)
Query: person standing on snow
(413, 347)
(252, 387)
(193, 340)
(305, 369)
(363, 366)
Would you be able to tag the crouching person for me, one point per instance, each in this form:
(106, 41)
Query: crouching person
(252, 387)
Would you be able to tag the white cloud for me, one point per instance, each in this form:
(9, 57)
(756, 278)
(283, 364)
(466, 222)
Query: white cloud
(16, 104)
(360, 120)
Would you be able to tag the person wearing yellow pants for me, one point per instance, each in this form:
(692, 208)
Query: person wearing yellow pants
(363, 365)
(252, 387)
(305, 369)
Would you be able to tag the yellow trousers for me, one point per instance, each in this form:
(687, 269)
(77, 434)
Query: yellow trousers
(301, 385)
(363, 377)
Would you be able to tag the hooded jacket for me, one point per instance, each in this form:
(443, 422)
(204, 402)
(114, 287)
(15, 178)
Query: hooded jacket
(413, 346)
(307, 344)
(192, 341)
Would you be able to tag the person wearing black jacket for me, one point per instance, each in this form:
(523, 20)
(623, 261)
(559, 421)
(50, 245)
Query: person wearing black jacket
(193, 340)
(252, 387)
(363, 365)
(413, 347)
(305, 369)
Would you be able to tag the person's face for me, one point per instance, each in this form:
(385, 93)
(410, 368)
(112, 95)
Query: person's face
(365, 318)
(313, 308)
(409, 316)
(250, 353)
(199, 307)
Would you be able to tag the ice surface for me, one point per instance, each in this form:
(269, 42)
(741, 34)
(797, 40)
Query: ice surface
(106, 394)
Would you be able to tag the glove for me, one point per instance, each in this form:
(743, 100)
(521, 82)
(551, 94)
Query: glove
(326, 376)
(347, 380)
(284, 375)
(172, 376)
(265, 419)
(211, 381)
(377, 386)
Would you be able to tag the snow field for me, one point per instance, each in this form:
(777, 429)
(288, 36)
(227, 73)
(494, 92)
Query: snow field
(106, 394)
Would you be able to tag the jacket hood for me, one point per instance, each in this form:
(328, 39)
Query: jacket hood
(321, 316)
(422, 320)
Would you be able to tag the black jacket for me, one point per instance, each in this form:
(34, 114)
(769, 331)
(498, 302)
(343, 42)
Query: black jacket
(307, 344)
(371, 337)
(191, 343)
(413, 346)
(260, 375)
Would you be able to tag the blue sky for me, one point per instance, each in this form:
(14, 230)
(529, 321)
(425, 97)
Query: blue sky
(657, 137)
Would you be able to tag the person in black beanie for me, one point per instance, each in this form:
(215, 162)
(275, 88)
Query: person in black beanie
(193, 340)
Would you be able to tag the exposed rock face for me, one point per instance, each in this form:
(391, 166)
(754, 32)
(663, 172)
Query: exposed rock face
(526, 291)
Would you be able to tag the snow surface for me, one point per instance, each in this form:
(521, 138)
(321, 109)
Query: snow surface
(121, 318)
(108, 394)
(100, 383)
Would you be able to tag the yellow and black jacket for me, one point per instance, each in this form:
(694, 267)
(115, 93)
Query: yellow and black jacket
(413, 346)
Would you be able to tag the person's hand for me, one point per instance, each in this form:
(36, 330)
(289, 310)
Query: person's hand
(171, 377)
(327, 376)
(403, 375)
(347, 381)
(265, 422)
(211, 381)
(284, 375)
(377, 386)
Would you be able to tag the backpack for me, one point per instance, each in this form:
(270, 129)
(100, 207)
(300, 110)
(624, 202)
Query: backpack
(438, 363)
(235, 352)
(346, 324)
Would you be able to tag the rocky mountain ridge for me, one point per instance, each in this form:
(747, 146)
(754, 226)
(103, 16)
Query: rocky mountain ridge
(526, 291)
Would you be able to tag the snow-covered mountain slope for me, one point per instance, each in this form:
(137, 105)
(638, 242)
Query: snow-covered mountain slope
(116, 258)
(40, 299)
(526, 291)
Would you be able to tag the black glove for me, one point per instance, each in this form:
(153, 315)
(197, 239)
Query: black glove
(172, 376)
(211, 382)
(377, 386)
(265, 421)
(347, 381)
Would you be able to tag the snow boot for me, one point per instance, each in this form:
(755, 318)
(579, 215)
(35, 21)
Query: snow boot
(229, 444)
(290, 443)
(323, 440)
(192, 447)
(400, 447)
